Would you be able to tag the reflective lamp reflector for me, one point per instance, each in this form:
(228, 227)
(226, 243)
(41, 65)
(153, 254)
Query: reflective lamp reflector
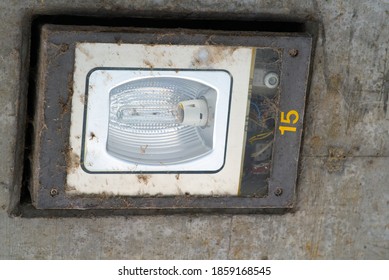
(160, 120)
(169, 116)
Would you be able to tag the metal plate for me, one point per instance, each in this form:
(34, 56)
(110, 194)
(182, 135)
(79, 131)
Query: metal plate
(52, 158)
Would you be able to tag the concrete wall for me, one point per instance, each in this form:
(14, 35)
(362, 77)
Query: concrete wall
(343, 191)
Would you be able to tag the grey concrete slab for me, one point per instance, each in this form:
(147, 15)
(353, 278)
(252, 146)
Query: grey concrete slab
(340, 215)
(348, 98)
(343, 201)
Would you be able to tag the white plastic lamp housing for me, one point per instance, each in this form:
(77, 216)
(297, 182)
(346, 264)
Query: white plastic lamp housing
(156, 121)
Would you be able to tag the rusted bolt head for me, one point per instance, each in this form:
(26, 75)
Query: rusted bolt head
(293, 52)
(278, 192)
(53, 192)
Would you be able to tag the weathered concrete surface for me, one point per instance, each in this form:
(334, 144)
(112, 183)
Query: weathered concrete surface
(343, 202)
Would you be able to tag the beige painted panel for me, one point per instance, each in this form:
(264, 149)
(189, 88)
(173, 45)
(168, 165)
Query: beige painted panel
(237, 61)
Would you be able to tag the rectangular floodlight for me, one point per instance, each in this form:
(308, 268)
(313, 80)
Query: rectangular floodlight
(148, 119)
(144, 120)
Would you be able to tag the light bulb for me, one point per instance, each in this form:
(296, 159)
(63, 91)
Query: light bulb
(190, 112)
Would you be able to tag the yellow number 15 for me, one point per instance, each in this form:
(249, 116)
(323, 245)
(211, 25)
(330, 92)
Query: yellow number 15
(292, 117)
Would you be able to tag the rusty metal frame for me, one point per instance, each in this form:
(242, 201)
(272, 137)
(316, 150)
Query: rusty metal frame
(53, 94)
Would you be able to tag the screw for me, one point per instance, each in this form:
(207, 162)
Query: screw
(53, 192)
(293, 52)
(278, 192)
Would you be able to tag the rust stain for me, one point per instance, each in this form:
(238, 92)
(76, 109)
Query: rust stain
(82, 99)
(85, 52)
(315, 143)
(61, 49)
(312, 249)
(143, 149)
(92, 136)
(65, 104)
(64, 48)
(335, 83)
(119, 41)
(69, 188)
(72, 160)
(348, 241)
(237, 252)
(143, 178)
(335, 160)
(148, 63)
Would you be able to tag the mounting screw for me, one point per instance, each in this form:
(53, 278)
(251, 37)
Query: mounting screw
(293, 52)
(278, 192)
(53, 192)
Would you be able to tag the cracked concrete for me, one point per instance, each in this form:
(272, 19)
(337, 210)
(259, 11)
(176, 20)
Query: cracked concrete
(339, 215)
